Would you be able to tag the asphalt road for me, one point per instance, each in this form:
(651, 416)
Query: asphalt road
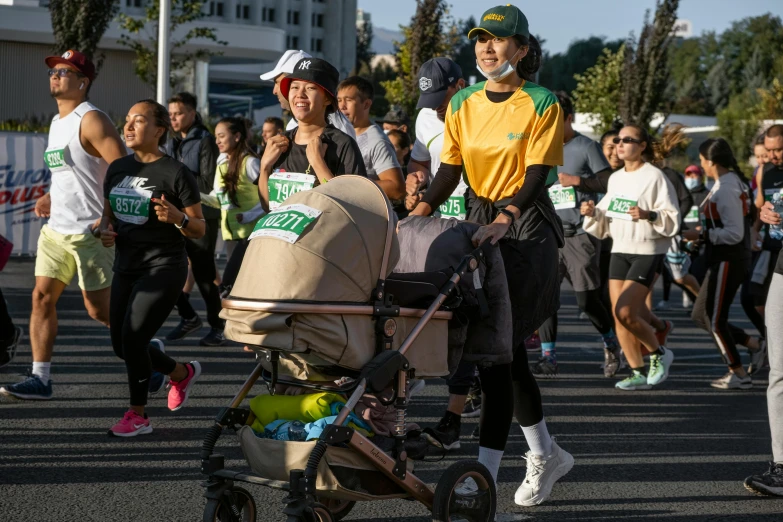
(678, 453)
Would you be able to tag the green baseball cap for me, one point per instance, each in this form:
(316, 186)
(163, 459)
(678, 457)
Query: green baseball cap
(502, 21)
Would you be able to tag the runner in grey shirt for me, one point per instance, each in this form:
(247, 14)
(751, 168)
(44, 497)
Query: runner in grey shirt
(580, 257)
(354, 98)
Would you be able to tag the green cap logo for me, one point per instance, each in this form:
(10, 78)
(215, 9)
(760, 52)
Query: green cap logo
(502, 21)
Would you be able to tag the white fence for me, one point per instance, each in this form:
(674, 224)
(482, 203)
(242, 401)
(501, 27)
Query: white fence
(24, 178)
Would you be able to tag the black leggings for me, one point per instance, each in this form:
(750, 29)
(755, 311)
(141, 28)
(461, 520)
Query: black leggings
(201, 253)
(749, 302)
(140, 305)
(711, 310)
(592, 305)
(6, 324)
(234, 264)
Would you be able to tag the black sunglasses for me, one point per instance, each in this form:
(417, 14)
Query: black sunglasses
(63, 72)
(626, 139)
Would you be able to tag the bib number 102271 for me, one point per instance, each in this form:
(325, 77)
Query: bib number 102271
(287, 222)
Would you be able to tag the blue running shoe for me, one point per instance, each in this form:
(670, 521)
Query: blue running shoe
(158, 381)
(31, 388)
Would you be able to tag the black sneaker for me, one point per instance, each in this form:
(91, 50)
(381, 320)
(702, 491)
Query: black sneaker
(9, 351)
(215, 337)
(446, 434)
(768, 483)
(184, 327)
(545, 367)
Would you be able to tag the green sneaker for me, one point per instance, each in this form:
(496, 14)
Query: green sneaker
(659, 367)
(636, 381)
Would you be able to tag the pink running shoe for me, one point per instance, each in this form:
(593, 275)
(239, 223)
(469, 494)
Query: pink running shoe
(132, 424)
(178, 394)
(533, 343)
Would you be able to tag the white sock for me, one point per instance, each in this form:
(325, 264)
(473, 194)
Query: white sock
(42, 370)
(491, 459)
(538, 439)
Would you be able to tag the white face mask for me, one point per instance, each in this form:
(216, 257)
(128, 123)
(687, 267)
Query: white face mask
(692, 183)
(499, 73)
(386, 131)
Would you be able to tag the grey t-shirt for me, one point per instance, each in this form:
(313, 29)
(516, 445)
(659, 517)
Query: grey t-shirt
(582, 157)
(377, 151)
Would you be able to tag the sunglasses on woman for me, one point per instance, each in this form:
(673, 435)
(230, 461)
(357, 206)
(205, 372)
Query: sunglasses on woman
(625, 139)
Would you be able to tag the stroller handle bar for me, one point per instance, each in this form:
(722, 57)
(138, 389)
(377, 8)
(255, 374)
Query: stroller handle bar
(255, 305)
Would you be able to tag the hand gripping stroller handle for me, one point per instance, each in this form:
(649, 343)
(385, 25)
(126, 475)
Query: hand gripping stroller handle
(469, 263)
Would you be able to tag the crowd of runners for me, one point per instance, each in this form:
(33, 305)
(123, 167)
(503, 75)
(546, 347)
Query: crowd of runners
(136, 218)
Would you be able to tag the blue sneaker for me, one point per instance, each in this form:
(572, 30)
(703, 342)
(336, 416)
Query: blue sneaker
(31, 388)
(158, 381)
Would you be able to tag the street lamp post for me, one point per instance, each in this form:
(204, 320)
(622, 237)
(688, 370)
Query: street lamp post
(164, 50)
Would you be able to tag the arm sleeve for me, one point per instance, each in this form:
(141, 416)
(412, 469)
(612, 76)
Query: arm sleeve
(545, 146)
(730, 207)
(533, 186)
(598, 184)
(667, 208)
(187, 187)
(443, 186)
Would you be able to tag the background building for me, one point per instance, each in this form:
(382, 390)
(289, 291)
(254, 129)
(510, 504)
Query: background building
(257, 32)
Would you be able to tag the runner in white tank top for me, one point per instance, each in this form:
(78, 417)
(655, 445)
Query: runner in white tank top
(82, 144)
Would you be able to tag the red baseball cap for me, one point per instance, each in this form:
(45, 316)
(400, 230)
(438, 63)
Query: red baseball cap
(694, 169)
(75, 59)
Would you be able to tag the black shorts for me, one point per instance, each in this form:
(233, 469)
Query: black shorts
(635, 267)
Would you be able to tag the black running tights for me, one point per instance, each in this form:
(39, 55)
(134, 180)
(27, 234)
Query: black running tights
(6, 324)
(139, 306)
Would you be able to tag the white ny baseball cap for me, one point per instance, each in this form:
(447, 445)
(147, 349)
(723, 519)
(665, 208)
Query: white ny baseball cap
(285, 65)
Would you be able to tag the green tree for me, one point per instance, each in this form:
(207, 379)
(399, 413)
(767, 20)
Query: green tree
(719, 85)
(598, 89)
(426, 37)
(80, 24)
(364, 54)
(646, 67)
(465, 54)
(739, 43)
(141, 36)
(558, 70)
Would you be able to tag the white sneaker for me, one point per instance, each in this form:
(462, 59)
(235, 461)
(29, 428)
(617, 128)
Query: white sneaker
(687, 304)
(731, 381)
(662, 306)
(541, 475)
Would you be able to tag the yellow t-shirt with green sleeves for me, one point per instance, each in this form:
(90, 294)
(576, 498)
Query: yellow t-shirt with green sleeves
(496, 142)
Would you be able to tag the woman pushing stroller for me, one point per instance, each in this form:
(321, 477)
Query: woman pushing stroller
(508, 166)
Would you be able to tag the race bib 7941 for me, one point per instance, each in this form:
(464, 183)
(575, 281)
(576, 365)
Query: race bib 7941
(283, 185)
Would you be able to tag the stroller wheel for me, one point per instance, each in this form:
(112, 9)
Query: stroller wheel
(322, 513)
(465, 492)
(339, 509)
(236, 505)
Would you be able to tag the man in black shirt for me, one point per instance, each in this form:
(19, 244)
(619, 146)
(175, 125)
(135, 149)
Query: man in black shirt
(193, 145)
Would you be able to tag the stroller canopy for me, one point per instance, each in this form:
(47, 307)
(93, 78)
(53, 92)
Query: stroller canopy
(337, 258)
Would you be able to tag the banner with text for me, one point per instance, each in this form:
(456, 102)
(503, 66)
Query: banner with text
(24, 178)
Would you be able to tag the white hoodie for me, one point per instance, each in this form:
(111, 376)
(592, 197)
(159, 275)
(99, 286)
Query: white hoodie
(648, 189)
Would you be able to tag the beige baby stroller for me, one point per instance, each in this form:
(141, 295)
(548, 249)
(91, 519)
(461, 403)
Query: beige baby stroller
(316, 299)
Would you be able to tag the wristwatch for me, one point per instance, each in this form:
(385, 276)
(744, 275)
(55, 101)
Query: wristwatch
(652, 217)
(185, 221)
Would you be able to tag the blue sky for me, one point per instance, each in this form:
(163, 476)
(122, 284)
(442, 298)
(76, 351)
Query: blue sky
(561, 21)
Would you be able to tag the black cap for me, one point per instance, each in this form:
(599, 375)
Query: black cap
(435, 76)
(396, 116)
(313, 70)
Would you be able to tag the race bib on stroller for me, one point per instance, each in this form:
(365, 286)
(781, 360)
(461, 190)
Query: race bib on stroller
(562, 197)
(283, 185)
(131, 205)
(619, 207)
(287, 222)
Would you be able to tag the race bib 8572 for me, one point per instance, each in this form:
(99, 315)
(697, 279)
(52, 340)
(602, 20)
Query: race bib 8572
(131, 205)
